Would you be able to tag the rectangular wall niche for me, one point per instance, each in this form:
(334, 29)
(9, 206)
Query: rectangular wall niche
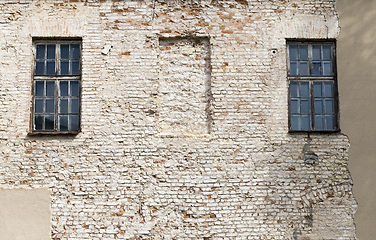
(184, 86)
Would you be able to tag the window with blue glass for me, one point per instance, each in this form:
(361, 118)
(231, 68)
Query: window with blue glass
(57, 87)
(312, 82)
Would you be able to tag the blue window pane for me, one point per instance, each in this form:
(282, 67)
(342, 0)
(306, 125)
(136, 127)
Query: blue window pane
(63, 106)
(39, 88)
(306, 123)
(75, 67)
(50, 51)
(316, 52)
(39, 68)
(328, 89)
(303, 52)
(39, 106)
(73, 106)
(330, 122)
(293, 68)
(293, 52)
(317, 89)
(50, 88)
(50, 68)
(41, 51)
(329, 106)
(304, 108)
(295, 106)
(328, 69)
(49, 122)
(327, 52)
(50, 105)
(74, 88)
(73, 122)
(75, 51)
(63, 88)
(319, 121)
(319, 106)
(64, 51)
(39, 122)
(304, 88)
(304, 70)
(63, 123)
(295, 122)
(64, 67)
(294, 89)
(317, 69)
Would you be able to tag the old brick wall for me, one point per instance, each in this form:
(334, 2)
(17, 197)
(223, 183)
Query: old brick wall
(184, 122)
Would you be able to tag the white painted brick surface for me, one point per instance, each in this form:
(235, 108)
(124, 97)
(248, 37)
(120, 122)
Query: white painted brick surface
(121, 177)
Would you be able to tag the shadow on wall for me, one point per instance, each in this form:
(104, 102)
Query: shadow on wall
(357, 87)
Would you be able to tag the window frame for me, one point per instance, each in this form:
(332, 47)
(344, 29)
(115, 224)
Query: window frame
(311, 79)
(56, 78)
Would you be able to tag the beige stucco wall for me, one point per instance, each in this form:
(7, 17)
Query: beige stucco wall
(357, 85)
(25, 214)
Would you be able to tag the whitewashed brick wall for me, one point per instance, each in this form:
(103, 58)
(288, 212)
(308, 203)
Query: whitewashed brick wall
(184, 122)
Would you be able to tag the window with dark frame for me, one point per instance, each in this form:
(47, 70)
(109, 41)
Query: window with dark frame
(57, 86)
(312, 86)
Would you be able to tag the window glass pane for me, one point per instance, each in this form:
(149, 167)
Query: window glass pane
(327, 51)
(329, 106)
(39, 68)
(49, 122)
(316, 52)
(39, 88)
(293, 68)
(64, 88)
(50, 67)
(75, 51)
(318, 106)
(63, 106)
(306, 125)
(295, 122)
(293, 52)
(304, 68)
(64, 51)
(328, 89)
(294, 89)
(304, 106)
(319, 121)
(41, 51)
(73, 122)
(50, 105)
(39, 106)
(317, 69)
(328, 68)
(295, 106)
(74, 88)
(303, 52)
(38, 122)
(50, 88)
(304, 88)
(317, 89)
(329, 122)
(64, 67)
(63, 123)
(50, 51)
(75, 67)
(73, 106)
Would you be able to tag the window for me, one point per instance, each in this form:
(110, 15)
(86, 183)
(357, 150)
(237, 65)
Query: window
(312, 81)
(57, 87)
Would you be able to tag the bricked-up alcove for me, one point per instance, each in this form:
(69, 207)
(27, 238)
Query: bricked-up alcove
(184, 86)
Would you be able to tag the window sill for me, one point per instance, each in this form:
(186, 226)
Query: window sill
(314, 131)
(36, 133)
